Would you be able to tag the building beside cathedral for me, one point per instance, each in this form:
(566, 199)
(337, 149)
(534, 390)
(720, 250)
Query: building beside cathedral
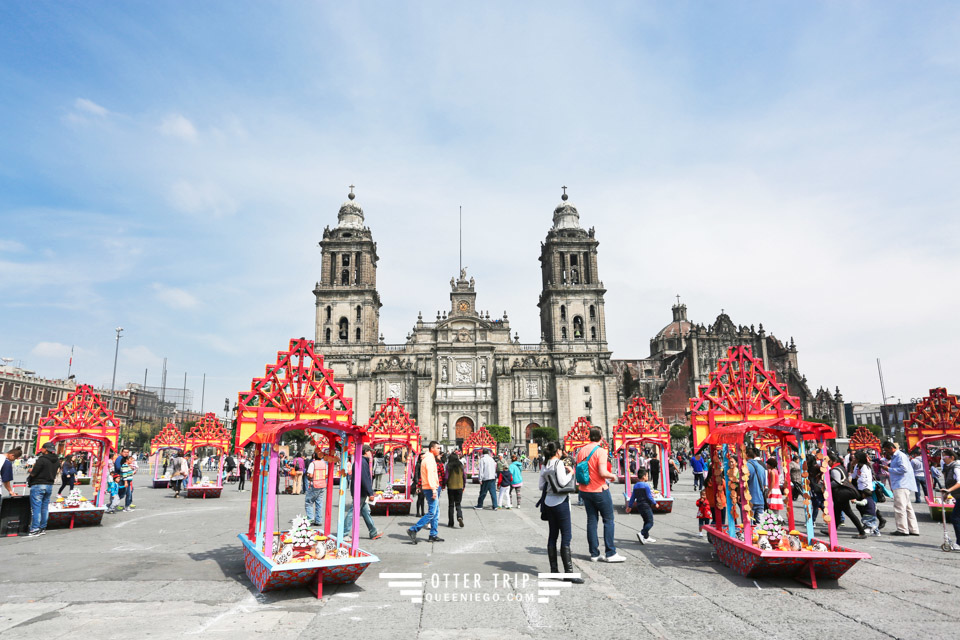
(683, 354)
(463, 369)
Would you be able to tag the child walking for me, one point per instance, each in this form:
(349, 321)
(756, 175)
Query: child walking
(704, 515)
(505, 480)
(113, 492)
(642, 497)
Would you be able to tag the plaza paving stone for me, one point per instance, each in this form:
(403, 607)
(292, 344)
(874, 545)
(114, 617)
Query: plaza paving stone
(173, 568)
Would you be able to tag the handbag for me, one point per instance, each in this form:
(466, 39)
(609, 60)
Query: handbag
(542, 504)
(554, 483)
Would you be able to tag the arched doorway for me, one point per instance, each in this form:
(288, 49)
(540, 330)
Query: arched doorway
(464, 429)
(529, 430)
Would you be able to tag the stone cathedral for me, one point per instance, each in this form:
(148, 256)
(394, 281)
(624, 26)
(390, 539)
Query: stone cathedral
(464, 370)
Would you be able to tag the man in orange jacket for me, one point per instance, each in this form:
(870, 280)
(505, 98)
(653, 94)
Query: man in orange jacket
(430, 485)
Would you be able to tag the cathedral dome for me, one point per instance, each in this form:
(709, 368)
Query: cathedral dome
(350, 215)
(678, 329)
(565, 216)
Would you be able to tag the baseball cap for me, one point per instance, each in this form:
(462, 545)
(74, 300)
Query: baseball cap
(49, 446)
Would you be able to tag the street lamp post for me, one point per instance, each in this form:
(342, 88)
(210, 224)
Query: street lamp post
(116, 351)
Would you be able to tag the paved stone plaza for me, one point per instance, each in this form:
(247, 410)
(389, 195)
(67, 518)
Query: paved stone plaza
(173, 568)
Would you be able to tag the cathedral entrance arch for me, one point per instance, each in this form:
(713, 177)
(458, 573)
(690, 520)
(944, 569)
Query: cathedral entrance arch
(528, 433)
(464, 429)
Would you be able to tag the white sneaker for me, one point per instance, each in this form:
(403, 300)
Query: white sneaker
(955, 547)
(594, 558)
(614, 558)
(649, 540)
(641, 539)
(702, 534)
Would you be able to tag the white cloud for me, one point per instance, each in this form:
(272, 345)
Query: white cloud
(206, 197)
(177, 126)
(11, 246)
(55, 350)
(90, 107)
(174, 297)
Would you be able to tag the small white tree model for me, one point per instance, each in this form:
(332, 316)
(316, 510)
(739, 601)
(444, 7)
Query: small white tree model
(301, 535)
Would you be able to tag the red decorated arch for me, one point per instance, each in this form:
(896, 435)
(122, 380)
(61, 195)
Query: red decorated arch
(639, 420)
(295, 387)
(208, 432)
(579, 435)
(936, 416)
(479, 439)
(169, 437)
(740, 390)
(81, 415)
(80, 445)
(391, 424)
(863, 438)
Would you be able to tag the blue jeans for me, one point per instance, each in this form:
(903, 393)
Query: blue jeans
(129, 499)
(921, 488)
(313, 504)
(365, 514)
(558, 518)
(599, 505)
(432, 515)
(39, 505)
(646, 512)
(491, 487)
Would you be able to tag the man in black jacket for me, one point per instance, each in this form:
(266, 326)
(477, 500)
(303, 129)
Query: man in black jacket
(41, 479)
(366, 490)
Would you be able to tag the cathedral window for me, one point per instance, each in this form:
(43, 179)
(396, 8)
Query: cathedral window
(593, 333)
(563, 312)
(358, 313)
(563, 333)
(344, 333)
(329, 313)
(574, 276)
(345, 260)
(358, 334)
(345, 277)
(593, 313)
(327, 335)
(577, 327)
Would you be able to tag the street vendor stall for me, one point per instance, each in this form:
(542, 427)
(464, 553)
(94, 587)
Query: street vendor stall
(88, 449)
(168, 440)
(81, 416)
(743, 404)
(207, 435)
(640, 425)
(298, 393)
(473, 447)
(935, 421)
(392, 427)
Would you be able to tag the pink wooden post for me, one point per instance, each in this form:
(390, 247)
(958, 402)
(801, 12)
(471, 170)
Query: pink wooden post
(104, 473)
(828, 500)
(328, 496)
(357, 504)
(271, 503)
(747, 522)
(223, 455)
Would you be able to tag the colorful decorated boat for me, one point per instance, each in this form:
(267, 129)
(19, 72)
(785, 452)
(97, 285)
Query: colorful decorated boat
(81, 417)
(211, 437)
(392, 427)
(744, 403)
(473, 446)
(298, 393)
(638, 426)
(168, 441)
(934, 422)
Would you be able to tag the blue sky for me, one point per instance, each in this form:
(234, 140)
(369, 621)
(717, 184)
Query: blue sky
(169, 168)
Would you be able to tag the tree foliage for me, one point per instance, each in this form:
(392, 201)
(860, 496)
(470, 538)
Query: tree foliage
(680, 432)
(544, 434)
(499, 433)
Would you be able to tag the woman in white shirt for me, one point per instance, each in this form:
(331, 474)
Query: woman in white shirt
(556, 484)
(863, 477)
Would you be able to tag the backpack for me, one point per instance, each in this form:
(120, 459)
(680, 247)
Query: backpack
(583, 468)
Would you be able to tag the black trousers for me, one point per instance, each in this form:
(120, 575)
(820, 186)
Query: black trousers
(843, 506)
(558, 518)
(243, 479)
(454, 496)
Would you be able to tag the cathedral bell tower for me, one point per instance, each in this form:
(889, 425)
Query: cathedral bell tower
(348, 305)
(571, 301)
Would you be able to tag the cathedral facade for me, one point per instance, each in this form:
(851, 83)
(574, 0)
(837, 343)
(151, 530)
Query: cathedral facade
(683, 354)
(463, 370)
